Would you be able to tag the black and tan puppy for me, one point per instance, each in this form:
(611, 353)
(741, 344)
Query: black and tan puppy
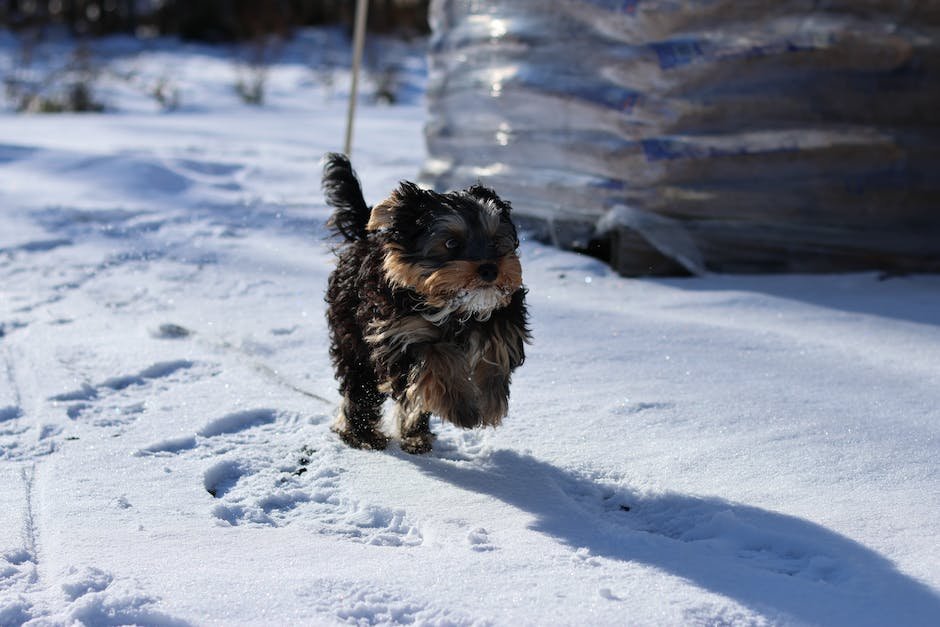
(426, 305)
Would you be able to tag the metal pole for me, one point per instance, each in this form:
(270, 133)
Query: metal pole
(359, 38)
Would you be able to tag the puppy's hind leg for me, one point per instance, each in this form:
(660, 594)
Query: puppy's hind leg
(414, 426)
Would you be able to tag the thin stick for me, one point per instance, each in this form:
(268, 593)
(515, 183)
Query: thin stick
(359, 38)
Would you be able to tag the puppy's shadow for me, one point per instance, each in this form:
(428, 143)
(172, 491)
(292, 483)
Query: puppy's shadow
(783, 566)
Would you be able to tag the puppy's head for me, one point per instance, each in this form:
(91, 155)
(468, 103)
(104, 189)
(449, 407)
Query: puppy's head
(457, 250)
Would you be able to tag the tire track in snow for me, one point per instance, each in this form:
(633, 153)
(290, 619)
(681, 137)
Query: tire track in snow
(22, 438)
(20, 441)
(49, 592)
(35, 589)
(10, 399)
(18, 569)
(13, 390)
(30, 531)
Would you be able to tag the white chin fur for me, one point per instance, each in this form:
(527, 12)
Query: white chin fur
(480, 302)
(467, 304)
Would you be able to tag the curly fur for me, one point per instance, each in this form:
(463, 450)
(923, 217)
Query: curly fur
(438, 326)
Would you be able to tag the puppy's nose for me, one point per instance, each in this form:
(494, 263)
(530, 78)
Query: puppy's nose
(488, 272)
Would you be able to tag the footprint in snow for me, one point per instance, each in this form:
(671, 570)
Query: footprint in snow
(235, 484)
(308, 491)
(169, 446)
(170, 331)
(79, 582)
(264, 481)
(237, 421)
(156, 371)
(96, 598)
(8, 327)
(105, 403)
(37, 246)
(479, 540)
(11, 152)
(454, 444)
(117, 383)
(229, 424)
(209, 169)
(221, 477)
(84, 393)
(10, 413)
(369, 604)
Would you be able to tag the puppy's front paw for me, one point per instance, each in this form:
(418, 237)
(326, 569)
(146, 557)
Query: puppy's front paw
(418, 444)
(494, 400)
(464, 414)
(372, 439)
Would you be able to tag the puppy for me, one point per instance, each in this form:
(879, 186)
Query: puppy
(426, 305)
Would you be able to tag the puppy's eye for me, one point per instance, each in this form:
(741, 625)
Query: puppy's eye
(451, 244)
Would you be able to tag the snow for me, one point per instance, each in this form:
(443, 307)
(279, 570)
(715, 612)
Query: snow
(719, 450)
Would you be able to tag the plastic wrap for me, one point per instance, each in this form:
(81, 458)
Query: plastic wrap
(698, 136)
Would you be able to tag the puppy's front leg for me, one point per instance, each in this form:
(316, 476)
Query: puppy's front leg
(440, 383)
(492, 380)
(503, 350)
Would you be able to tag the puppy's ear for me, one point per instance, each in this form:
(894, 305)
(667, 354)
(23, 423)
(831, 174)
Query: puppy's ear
(407, 197)
(382, 216)
(485, 194)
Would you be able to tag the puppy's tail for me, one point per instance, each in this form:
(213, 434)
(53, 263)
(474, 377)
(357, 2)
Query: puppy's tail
(343, 192)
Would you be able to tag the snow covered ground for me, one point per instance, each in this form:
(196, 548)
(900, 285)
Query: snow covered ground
(722, 450)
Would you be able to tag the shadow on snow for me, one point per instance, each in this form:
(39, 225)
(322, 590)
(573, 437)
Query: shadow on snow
(774, 563)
